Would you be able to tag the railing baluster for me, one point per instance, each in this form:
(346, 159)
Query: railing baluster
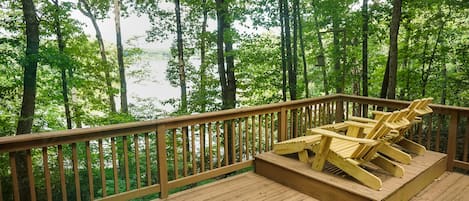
(184, 150)
(246, 137)
(466, 142)
(233, 140)
(217, 125)
(225, 142)
(271, 131)
(14, 177)
(202, 147)
(240, 139)
(452, 135)
(147, 158)
(420, 132)
(45, 163)
(137, 161)
(438, 131)
(89, 167)
(429, 132)
(316, 119)
(62, 172)
(253, 134)
(210, 146)
(75, 171)
(29, 167)
(126, 163)
(194, 162)
(101, 167)
(162, 163)
(266, 137)
(114, 165)
(175, 155)
(260, 134)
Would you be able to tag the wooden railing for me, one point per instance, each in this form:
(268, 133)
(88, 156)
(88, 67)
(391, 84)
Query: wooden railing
(133, 160)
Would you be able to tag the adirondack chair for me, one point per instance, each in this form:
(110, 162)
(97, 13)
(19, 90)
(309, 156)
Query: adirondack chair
(416, 109)
(346, 152)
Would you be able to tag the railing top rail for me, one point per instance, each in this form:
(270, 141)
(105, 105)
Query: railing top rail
(437, 108)
(22, 142)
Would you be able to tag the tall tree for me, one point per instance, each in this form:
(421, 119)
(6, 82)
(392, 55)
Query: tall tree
(203, 60)
(120, 57)
(61, 46)
(365, 49)
(224, 48)
(336, 54)
(182, 71)
(302, 46)
(393, 51)
(293, 72)
(288, 47)
(282, 49)
(227, 79)
(25, 121)
(87, 11)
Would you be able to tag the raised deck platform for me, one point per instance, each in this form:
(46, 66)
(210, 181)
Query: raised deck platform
(333, 184)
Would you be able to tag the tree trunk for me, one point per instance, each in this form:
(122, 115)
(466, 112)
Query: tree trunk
(107, 68)
(405, 63)
(445, 84)
(302, 46)
(61, 46)
(295, 50)
(335, 30)
(393, 50)
(365, 55)
(222, 11)
(203, 63)
(291, 73)
(182, 71)
(365, 49)
(120, 57)
(25, 121)
(282, 50)
(385, 83)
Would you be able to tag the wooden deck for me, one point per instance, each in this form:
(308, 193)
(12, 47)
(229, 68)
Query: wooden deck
(450, 186)
(246, 186)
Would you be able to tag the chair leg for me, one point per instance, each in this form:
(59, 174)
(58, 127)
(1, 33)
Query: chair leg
(395, 154)
(352, 168)
(386, 164)
(322, 153)
(303, 156)
(412, 146)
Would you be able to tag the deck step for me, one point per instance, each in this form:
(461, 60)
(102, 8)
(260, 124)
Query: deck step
(332, 184)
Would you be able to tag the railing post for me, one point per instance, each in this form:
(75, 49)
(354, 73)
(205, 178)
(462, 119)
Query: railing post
(162, 162)
(339, 110)
(452, 134)
(283, 124)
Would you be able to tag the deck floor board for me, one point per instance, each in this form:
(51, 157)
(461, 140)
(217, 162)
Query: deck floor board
(246, 186)
(450, 186)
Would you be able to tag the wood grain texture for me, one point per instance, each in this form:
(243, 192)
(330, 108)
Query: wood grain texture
(246, 186)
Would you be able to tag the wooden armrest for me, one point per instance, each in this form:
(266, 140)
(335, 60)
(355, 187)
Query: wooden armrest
(376, 112)
(395, 126)
(332, 134)
(359, 124)
(361, 119)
